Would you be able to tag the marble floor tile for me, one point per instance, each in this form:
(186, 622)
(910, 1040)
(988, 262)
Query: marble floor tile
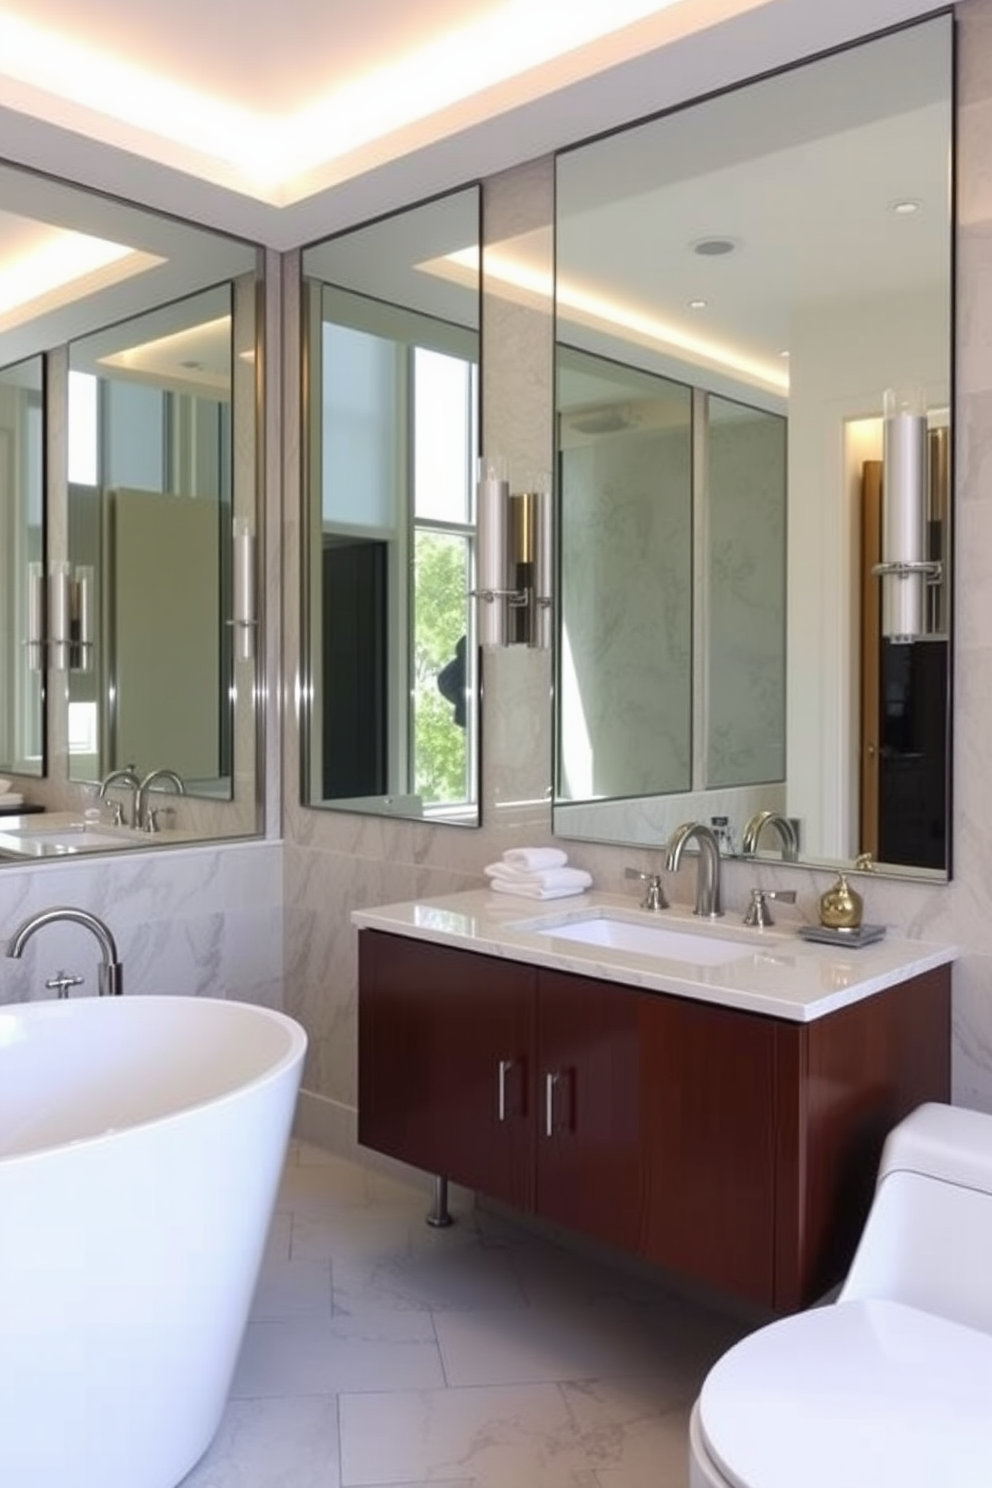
(586, 1341)
(283, 1443)
(510, 1434)
(384, 1354)
(427, 1275)
(320, 1356)
(288, 1288)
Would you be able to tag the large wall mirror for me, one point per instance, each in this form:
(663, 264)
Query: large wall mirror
(391, 342)
(128, 522)
(754, 352)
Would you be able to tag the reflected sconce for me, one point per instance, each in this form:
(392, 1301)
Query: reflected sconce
(60, 616)
(35, 641)
(70, 617)
(245, 619)
(905, 569)
(81, 620)
(514, 560)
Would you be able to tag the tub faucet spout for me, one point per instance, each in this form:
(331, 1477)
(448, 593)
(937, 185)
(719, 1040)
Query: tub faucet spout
(111, 975)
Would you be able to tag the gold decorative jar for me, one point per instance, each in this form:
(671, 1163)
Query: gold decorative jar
(841, 907)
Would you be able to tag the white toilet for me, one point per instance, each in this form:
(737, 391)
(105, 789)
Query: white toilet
(891, 1385)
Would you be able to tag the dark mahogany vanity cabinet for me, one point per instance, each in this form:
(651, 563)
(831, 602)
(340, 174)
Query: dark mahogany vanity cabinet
(736, 1149)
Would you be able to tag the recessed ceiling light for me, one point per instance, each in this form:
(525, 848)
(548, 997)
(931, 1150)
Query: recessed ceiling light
(784, 354)
(906, 207)
(715, 247)
(698, 304)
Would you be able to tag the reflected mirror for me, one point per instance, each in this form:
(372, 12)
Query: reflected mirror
(149, 522)
(22, 558)
(753, 327)
(391, 346)
(129, 347)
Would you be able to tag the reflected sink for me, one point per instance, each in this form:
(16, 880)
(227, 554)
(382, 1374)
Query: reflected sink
(50, 842)
(650, 940)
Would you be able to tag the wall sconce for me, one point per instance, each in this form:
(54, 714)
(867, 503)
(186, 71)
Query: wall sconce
(245, 619)
(514, 560)
(905, 569)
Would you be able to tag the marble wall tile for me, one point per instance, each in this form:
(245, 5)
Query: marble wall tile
(205, 921)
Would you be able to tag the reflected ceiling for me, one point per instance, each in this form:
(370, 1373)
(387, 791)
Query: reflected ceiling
(295, 100)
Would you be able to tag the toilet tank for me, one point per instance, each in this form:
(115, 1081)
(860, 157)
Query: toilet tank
(928, 1237)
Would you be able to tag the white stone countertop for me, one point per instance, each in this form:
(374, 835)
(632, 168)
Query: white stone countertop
(775, 973)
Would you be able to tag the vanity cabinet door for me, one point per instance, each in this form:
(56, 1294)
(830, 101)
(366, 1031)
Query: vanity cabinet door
(446, 1063)
(588, 1169)
(708, 1143)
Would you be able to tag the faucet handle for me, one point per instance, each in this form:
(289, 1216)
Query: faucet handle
(654, 893)
(758, 915)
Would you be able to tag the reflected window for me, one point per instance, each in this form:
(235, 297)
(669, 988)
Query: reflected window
(398, 550)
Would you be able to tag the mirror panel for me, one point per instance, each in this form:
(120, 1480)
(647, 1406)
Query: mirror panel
(22, 564)
(392, 348)
(783, 252)
(150, 518)
(146, 328)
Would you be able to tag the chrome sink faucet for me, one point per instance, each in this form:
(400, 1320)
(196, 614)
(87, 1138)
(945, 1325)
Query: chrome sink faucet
(125, 777)
(707, 869)
(145, 817)
(781, 824)
(111, 974)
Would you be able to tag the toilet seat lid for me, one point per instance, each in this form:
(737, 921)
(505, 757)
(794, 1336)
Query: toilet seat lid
(858, 1393)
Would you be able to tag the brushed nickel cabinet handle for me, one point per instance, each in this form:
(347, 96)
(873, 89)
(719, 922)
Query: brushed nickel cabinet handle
(505, 1066)
(550, 1083)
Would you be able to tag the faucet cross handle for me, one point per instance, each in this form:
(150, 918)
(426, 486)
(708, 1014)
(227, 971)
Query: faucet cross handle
(654, 893)
(758, 915)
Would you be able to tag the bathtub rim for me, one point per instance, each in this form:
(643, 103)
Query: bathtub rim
(45, 1009)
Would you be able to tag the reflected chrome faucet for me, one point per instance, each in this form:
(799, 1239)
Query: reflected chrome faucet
(707, 869)
(110, 981)
(123, 777)
(782, 825)
(145, 818)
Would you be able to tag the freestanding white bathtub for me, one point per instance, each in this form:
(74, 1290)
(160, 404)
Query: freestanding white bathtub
(141, 1143)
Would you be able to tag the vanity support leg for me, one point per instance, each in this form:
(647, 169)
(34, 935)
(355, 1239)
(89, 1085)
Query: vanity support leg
(439, 1216)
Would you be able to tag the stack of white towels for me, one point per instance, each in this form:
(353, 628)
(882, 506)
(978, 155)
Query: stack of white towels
(537, 873)
(8, 797)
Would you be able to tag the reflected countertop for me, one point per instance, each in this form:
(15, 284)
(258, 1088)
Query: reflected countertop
(775, 973)
(60, 834)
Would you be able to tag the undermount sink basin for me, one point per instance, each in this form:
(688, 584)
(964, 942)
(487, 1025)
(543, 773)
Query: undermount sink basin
(650, 940)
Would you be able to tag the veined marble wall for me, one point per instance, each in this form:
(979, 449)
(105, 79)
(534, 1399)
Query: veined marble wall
(203, 921)
(335, 862)
(626, 694)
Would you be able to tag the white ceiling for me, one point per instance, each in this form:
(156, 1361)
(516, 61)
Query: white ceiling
(284, 121)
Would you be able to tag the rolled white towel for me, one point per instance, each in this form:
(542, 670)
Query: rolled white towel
(11, 798)
(531, 890)
(545, 878)
(533, 858)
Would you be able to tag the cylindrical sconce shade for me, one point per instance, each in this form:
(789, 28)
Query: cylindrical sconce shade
(36, 617)
(492, 500)
(904, 504)
(60, 615)
(544, 583)
(244, 619)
